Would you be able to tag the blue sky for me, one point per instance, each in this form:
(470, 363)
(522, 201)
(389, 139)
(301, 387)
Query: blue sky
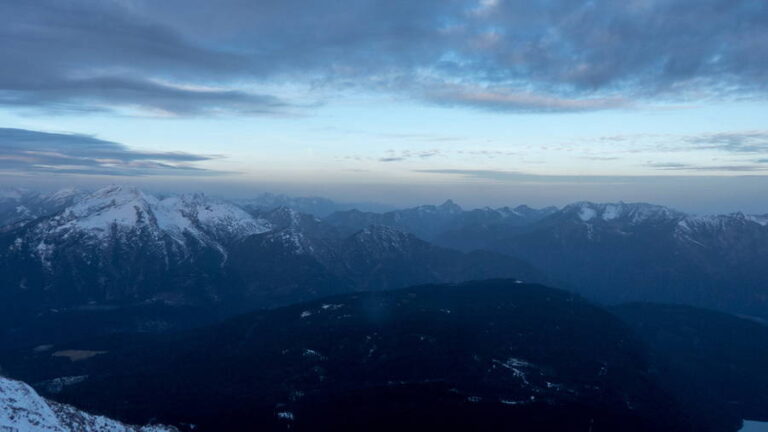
(488, 102)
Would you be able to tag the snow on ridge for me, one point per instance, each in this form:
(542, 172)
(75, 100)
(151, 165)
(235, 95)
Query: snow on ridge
(759, 219)
(118, 210)
(23, 410)
(634, 212)
(62, 195)
(105, 207)
(694, 229)
(719, 222)
(131, 208)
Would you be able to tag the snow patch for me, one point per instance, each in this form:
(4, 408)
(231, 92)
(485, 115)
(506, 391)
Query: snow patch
(587, 214)
(285, 415)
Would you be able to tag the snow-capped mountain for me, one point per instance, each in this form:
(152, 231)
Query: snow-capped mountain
(621, 212)
(718, 223)
(120, 215)
(123, 244)
(636, 251)
(613, 251)
(119, 209)
(714, 232)
(638, 214)
(23, 410)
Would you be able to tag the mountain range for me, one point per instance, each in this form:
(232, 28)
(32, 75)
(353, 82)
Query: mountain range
(123, 247)
(490, 355)
(613, 252)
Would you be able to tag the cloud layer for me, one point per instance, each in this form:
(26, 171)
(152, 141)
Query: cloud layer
(28, 151)
(197, 57)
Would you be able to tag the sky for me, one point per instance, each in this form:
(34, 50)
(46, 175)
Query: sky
(489, 102)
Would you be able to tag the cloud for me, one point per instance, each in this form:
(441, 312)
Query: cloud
(192, 57)
(499, 99)
(28, 151)
(96, 56)
(668, 165)
(484, 174)
(503, 177)
(736, 142)
(673, 166)
(601, 158)
(395, 156)
(101, 94)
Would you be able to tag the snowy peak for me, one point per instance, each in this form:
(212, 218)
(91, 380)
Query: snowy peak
(23, 410)
(140, 221)
(625, 212)
(222, 219)
(529, 212)
(716, 223)
(62, 197)
(114, 205)
(126, 208)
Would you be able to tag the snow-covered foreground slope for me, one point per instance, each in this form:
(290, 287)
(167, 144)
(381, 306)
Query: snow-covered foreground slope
(23, 410)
